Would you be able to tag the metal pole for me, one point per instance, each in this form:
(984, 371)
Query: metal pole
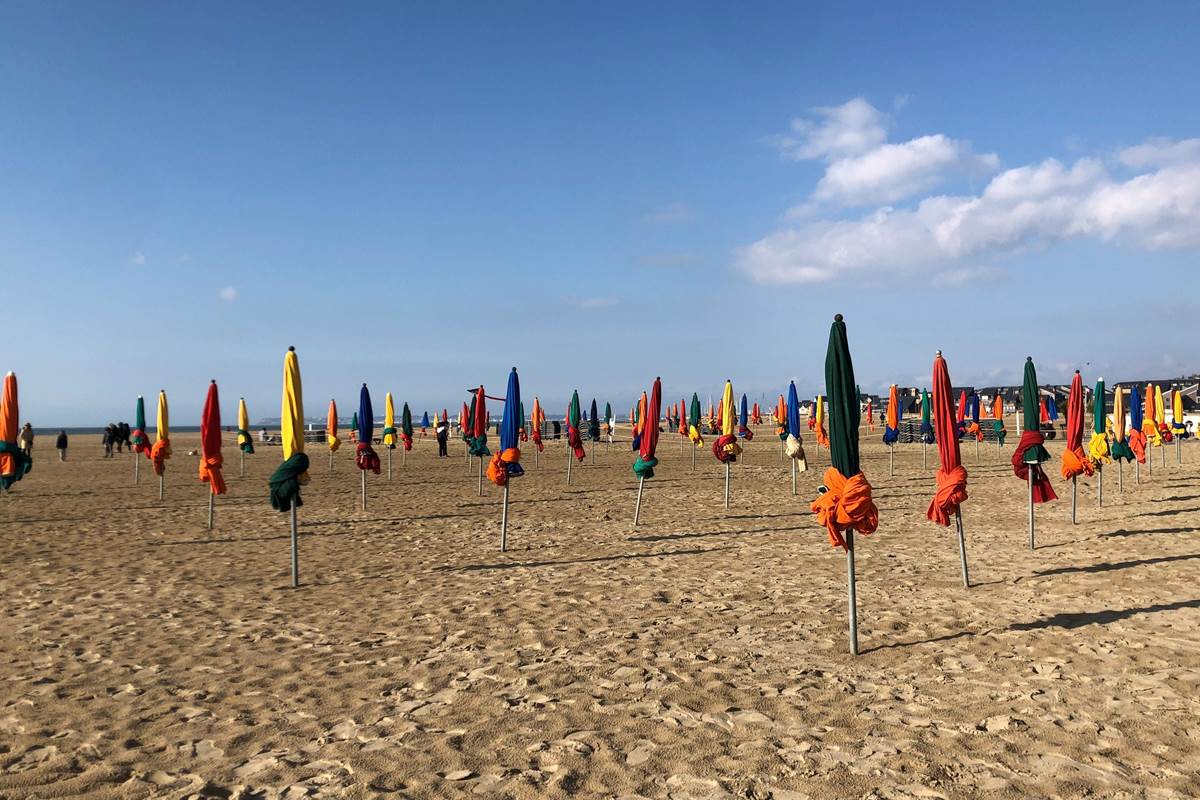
(137, 462)
(404, 457)
(727, 484)
(593, 452)
(1029, 476)
(924, 455)
(481, 476)
(364, 490)
(160, 487)
(891, 458)
(793, 477)
(693, 459)
(1137, 472)
(331, 461)
(1100, 486)
(962, 549)
(1149, 459)
(1074, 494)
(637, 509)
(536, 454)
(851, 598)
(210, 509)
(389, 455)
(1120, 476)
(1178, 450)
(504, 521)
(976, 450)
(1163, 450)
(241, 463)
(568, 466)
(295, 550)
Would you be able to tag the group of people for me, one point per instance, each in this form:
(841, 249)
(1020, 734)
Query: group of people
(116, 436)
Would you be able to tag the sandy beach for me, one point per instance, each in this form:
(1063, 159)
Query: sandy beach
(703, 655)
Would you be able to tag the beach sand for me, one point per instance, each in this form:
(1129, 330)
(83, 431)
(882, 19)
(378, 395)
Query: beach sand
(702, 655)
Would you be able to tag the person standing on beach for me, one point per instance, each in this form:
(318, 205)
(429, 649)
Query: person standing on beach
(107, 439)
(61, 444)
(442, 431)
(125, 438)
(26, 439)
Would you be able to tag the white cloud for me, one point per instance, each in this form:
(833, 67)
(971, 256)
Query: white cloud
(228, 294)
(592, 303)
(1033, 206)
(137, 259)
(863, 168)
(966, 276)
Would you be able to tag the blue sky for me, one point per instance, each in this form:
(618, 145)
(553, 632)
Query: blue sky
(422, 196)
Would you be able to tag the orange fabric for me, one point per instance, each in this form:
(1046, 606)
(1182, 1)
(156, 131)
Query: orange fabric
(846, 504)
(210, 472)
(159, 455)
(8, 424)
(497, 470)
(1137, 443)
(974, 429)
(1076, 462)
(998, 408)
(951, 493)
(822, 436)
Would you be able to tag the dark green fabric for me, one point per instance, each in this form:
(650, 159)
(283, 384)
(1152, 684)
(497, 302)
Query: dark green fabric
(925, 403)
(285, 483)
(644, 469)
(998, 427)
(1032, 421)
(354, 423)
(248, 445)
(477, 446)
(467, 431)
(24, 464)
(607, 412)
(573, 410)
(521, 421)
(1121, 450)
(694, 412)
(406, 421)
(389, 432)
(843, 412)
(1031, 417)
(1098, 415)
(139, 415)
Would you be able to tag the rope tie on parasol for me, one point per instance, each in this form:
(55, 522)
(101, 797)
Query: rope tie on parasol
(1152, 435)
(1043, 491)
(505, 464)
(745, 432)
(141, 442)
(245, 442)
(210, 472)
(1164, 431)
(286, 480)
(845, 504)
(793, 448)
(366, 458)
(159, 455)
(1098, 450)
(389, 437)
(974, 429)
(951, 493)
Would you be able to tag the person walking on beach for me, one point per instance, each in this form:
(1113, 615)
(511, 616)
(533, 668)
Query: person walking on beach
(125, 434)
(61, 445)
(442, 431)
(109, 434)
(26, 439)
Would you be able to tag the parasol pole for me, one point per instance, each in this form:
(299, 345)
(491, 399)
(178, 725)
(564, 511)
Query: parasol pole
(1178, 450)
(781, 451)
(925, 455)
(403, 458)
(364, 490)
(851, 598)
(727, 484)
(637, 508)
(1120, 476)
(1029, 476)
(241, 463)
(1074, 492)
(592, 450)
(1100, 486)
(1149, 459)
(331, 460)
(389, 452)
(568, 466)
(693, 459)
(962, 549)
(891, 458)
(535, 456)
(481, 476)
(977, 450)
(793, 477)
(137, 461)
(210, 509)
(1163, 450)
(295, 550)
(1137, 471)
(160, 487)
(504, 521)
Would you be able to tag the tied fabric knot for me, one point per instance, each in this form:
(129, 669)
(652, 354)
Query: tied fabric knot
(389, 438)
(1121, 452)
(845, 504)
(505, 464)
(575, 443)
(537, 440)
(793, 447)
(406, 440)
(694, 436)
(1031, 441)
(1137, 443)
(366, 458)
(975, 431)
(159, 455)
(890, 435)
(950, 494)
(210, 472)
(926, 433)
(1001, 431)
(477, 446)
(1098, 450)
(286, 480)
(812, 423)
(644, 468)
(1076, 463)
(245, 442)
(726, 449)
(1153, 437)
(20, 462)
(745, 433)
(141, 442)
(334, 442)
(822, 436)
(1165, 432)
(523, 435)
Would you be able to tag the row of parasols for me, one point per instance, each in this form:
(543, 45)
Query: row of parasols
(844, 505)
